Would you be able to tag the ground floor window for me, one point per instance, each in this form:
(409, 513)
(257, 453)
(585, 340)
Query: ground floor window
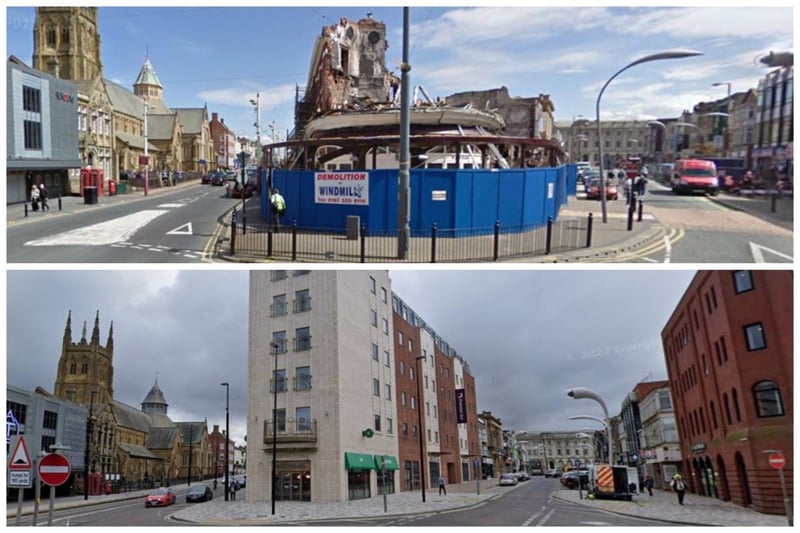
(386, 482)
(411, 475)
(434, 470)
(294, 481)
(358, 484)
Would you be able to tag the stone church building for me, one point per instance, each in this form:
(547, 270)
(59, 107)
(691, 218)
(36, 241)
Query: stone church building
(139, 444)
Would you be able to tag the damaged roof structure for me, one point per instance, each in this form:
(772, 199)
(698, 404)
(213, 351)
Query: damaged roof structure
(351, 109)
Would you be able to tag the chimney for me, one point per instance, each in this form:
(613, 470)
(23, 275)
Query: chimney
(216, 426)
(214, 117)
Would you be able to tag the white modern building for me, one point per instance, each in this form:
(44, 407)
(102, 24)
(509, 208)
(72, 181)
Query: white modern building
(661, 451)
(330, 336)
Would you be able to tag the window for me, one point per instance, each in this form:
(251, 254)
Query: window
(372, 285)
(277, 275)
(64, 38)
(385, 328)
(727, 408)
(400, 338)
(374, 352)
(405, 429)
(33, 135)
(413, 403)
(713, 410)
(664, 401)
(755, 337)
(386, 359)
(47, 441)
(51, 41)
(50, 420)
(389, 426)
(403, 399)
(280, 419)
(303, 417)
(302, 339)
(411, 373)
(302, 378)
(387, 390)
(279, 305)
(376, 387)
(402, 368)
(301, 273)
(429, 435)
(279, 381)
(767, 396)
(73, 367)
(427, 408)
(302, 301)
(31, 99)
(410, 345)
(705, 364)
(373, 317)
(383, 294)
(742, 281)
(377, 422)
(735, 396)
(713, 297)
(435, 412)
(279, 342)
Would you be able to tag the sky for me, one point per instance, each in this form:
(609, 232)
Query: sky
(223, 56)
(527, 336)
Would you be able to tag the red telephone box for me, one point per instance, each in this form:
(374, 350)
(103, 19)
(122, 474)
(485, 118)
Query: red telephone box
(92, 177)
(95, 483)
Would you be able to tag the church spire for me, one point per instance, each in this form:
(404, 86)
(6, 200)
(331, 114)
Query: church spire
(83, 334)
(110, 343)
(96, 329)
(68, 329)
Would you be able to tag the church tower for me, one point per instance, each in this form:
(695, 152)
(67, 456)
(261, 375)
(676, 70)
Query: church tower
(155, 403)
(86, 366)
(66, 42)
(147, 85)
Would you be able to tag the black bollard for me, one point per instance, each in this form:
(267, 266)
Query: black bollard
(631, 210)
(496, 239)
(294, 241)
(363, 243)
(26, 209)
(59, 201)
(589, 231)
(774, 200)
(641, 208)
(233, 232)
(549, 235)
(433, 243)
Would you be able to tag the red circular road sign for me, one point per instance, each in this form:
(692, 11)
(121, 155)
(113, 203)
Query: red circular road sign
(54, 469)
(776, 460)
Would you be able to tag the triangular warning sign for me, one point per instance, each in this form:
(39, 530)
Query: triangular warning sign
(20, 459)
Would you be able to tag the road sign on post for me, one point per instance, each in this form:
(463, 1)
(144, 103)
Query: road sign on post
(777, 461)
(54, 469)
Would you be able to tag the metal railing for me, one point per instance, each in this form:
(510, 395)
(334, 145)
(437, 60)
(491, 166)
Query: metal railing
(302, 430)
(429, 246)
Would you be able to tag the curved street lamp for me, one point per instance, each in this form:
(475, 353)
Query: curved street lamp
(671, 54)
(582, 393)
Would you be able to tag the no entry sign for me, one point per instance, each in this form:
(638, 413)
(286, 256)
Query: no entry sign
(54, 469)
(777, 461)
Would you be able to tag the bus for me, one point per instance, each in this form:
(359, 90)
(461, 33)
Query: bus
(727, 166)
(536, 467)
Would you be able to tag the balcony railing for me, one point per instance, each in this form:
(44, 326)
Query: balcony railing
(301, 305)
(282, 345)
(289, 431)
(302, 342)
(278, 309)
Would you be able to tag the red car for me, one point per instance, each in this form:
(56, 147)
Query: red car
(593, 190)
(236, 190)
(161, 497)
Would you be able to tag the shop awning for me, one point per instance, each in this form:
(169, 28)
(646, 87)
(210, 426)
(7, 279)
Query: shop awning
(358, 461)
(391, 462)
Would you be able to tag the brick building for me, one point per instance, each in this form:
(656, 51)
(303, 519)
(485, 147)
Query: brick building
(728, 346)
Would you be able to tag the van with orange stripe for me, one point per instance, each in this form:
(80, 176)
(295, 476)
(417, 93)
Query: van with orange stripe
(607, 481)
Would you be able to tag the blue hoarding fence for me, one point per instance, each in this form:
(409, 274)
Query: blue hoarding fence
(431, 245)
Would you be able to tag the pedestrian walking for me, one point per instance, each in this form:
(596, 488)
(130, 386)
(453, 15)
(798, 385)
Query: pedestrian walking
(641, 183)
(35, 197)
(679, 486)
(277, 206)
(232, 490)
(442, 488)
(648, 484)
(43, 197)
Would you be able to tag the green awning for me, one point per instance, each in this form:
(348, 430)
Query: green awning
(391, 462)
(358, 461)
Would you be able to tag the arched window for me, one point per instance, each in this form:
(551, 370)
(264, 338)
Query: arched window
(85, 367)
(51, 36)
(767, 396)
(73, 367)
(727, 408)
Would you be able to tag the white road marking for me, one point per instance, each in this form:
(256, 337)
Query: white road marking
(541, 522)
(528, 522)
(104, 233)
(181, 231)
(595, 523)
(667, 249)
(649, 260)
(758, 254)
(170, 205)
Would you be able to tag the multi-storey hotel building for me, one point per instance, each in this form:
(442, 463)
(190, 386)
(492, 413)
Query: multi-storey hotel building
(357, 382)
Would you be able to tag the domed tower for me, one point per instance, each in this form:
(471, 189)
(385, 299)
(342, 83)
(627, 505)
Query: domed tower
(86, 366)
(66, 42)
(147, 84)
(155, 403)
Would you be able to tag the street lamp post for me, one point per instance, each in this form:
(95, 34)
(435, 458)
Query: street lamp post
(673, 54)
(146, 161)
(274, 486)
(89, 428)
(419, 422)
(580, 393)
(257, 103)
(404, 180)
(727, 110)
(227, 434)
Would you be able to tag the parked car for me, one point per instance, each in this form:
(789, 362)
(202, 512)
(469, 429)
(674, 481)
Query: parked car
(572, 478)
(552, 473)
(523, 476)
(206, 179)
(508, 479)
(161, 497)
(237, 190)
(199, 493)
(241, 481)
(593, 190)
(218, 178)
